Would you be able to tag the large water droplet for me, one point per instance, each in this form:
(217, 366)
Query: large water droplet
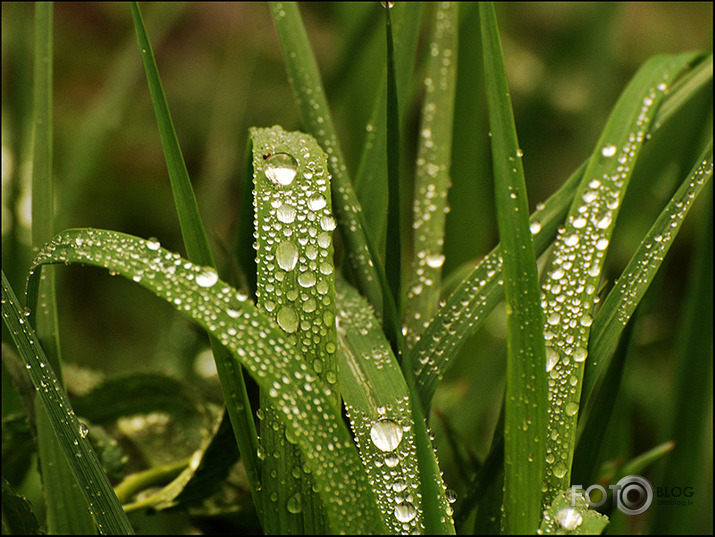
(569, 518)
(294, 504)
(286, 213)
(316, 203)
(281, 169)
(405, 512)
(579, 355)
(206, 278)
(287, 319)
(609, 150)
(287, 255)
(386, 435)
(434, 260)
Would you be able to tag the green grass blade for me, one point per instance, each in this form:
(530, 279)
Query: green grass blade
(393, 244)
(370, 183)
(572, 276)
(67, 511)
(199, 251)
(304, 78)
(695, 357)
(307, 405)
(640, 271)
(392, 439)
(433, 167)
(526, 383)
(295, 286)
(72, 439)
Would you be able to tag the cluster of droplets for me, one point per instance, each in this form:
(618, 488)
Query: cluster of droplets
(569, 288)
(293, 234)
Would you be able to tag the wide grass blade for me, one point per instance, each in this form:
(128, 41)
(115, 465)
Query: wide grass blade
(199, 251)
(526, 384)
(573, 273)
(307, 405)
(432, 179)
(391, 436)
(295, 287)
(72, 441)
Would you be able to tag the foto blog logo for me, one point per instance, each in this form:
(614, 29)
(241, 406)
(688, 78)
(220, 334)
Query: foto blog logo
(632, 495)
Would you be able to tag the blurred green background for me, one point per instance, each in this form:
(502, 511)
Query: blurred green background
(222, 72)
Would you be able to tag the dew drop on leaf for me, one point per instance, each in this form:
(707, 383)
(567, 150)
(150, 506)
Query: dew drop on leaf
(287, 255)
(569, 518)
(386, 435)
(405, 512)
(206, 278)
(287, 319)
(608, 150)
(281, 169)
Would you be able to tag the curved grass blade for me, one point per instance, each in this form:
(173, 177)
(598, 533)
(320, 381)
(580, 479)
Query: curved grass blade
(526, 383)
(306, 404)
(572, 276)
(199, 251)
(392, 439)
(71, 436)
(433, 167)
(295, 286)
(625, 296)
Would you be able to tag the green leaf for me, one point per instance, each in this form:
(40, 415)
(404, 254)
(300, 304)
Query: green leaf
(306, 404)
(295, 287)
(433, 169)
(526, 383)
(391, 437)
(71, 436)
(573, 273)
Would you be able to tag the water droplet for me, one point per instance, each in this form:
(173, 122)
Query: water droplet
(306, 279)
(286, 213)
(153, 243)
(571, 409)
(316, 203)
(294, 504)
(388, 5)
(399, 485)
(569, 518)
(83, 430)
(287, 319)
(579, 355)
(206, 278)
(535, 227)
(552, 357)
(608, 150)
(327, 223)
(405, 512)
(560, 469)
(386, 435)
(434, 260)
(281, 169)
(287, 255)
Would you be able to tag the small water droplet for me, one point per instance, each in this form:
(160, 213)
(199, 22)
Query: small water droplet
(316, 203)
(286, 213)
(281, 168)
(434, 260)
(560, 469)
(153, 243)
(608, 150)
(571, 409)
(306, 279)
(579, 355)
(535, 227)
(83, 430)
(327, 223)
(386, 435)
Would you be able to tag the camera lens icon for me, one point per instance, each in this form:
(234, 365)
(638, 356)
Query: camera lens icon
(633, 495)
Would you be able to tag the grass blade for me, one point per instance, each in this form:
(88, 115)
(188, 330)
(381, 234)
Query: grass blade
(307, 406)
(433, 167)
(67, 511)
(199, 251)
(295, 286)
(304, 78)
(392, 439)
(72, 439)
(640, 271)
(572, 276)
(526, 385)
